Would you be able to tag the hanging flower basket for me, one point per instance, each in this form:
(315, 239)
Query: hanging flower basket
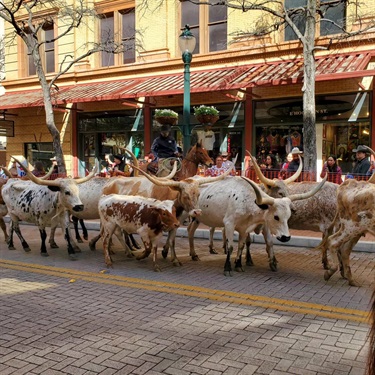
(206, 114)
(166, 117)
(207, 119)
(165, 120)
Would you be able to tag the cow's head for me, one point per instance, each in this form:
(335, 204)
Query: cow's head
(168, 219)
(66, 187)
(278, 210)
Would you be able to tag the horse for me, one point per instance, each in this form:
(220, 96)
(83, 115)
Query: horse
(189, 165)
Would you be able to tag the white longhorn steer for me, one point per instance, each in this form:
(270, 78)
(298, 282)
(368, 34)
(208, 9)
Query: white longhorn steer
(355, 216)
(234, 205)
(134, 214)
(315, 213)
(42, 202)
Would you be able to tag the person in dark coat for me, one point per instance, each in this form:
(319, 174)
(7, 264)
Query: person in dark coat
(294, 164)
(164, 146)
(362, 165)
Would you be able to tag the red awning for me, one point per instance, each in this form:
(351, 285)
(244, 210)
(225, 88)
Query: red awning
(233, 78)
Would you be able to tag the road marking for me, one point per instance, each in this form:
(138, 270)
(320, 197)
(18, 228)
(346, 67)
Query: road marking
(332, 312)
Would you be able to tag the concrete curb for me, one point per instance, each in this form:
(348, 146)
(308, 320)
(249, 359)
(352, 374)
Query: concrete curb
(295, 241)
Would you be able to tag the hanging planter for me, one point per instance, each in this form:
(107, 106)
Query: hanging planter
(206, 115)
(166, 117)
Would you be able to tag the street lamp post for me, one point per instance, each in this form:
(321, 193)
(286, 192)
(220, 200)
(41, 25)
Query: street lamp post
(186, 42)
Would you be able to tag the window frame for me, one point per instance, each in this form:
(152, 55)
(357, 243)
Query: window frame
(204, 28)
(318, 24)
(26, 60)
(117, 10)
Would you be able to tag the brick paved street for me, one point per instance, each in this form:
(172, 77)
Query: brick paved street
(68, 317)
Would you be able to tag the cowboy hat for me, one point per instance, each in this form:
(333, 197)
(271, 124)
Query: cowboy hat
(296, 150)
(361, 148)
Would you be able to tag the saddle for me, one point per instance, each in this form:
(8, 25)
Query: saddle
(162, 167)
(152, 167)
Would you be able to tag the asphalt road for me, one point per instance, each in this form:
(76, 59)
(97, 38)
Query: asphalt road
(78, 317)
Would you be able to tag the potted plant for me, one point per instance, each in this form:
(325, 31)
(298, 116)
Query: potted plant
(166, 116)
(206, 114)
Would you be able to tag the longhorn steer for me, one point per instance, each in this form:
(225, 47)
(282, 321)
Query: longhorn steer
(133, 214)
(3, 207)
(315, 213)
(230, 204)
(355, 216)
(43, 203)
(184, 193)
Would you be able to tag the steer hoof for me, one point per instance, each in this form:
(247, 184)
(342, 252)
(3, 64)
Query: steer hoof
(213, 251)
(53, 245)
(86, 237)
(273, 266)
(44, 254)
(26, 249)
(177, 263)
(327, 275)
(80, 240)
(11, 248)
(354, 283)
(195, 258)
(157, 268)
(73, 257)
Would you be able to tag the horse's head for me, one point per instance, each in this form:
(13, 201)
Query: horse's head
(199, 155)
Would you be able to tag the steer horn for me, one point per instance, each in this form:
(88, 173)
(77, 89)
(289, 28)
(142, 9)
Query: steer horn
(173, 172)
(297, 197)
(261, 196)
(35, 179)
(268, 182)
(6, 172)
(158, 181)
(40, 181)
(135, 161)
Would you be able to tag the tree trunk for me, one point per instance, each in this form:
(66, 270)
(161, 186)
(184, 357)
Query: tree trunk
(48, 106)
(309, 114)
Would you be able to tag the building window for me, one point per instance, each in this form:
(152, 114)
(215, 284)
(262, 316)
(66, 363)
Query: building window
(334, 12)
(46, 50)
(117, 29)
(208, 24)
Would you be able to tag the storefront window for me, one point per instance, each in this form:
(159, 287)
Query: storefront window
(344, 119)
(109, 133)
(39, 151)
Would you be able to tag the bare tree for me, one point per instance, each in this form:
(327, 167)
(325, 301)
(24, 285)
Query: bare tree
(27, 21)
(302, 18)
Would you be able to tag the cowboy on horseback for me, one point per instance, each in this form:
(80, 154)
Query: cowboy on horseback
(164, 147)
